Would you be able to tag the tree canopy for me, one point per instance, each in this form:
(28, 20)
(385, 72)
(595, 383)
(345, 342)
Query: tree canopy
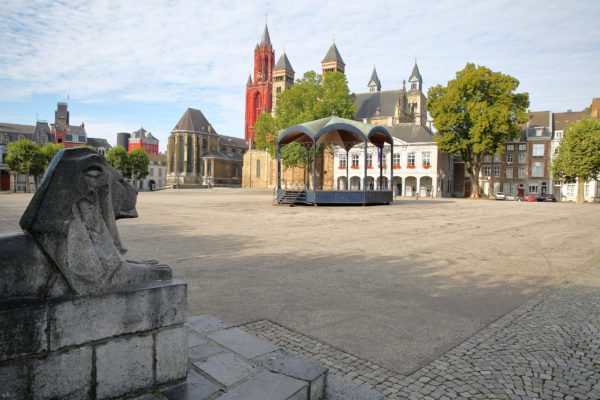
(49, 150)
(118, 158)
(475, 114)
(311, 97)
(139, 162)
(25, 157)
(578, 158)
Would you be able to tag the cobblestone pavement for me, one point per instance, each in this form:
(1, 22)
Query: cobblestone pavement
(548, 348)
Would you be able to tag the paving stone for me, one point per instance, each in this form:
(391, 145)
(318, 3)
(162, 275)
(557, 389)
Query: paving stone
(267, 385)
(226, 368)
(206, 323)
(195, 340)
(242, 342)
(300, 368)
(196, 387)
(196, 353)
(341, 388)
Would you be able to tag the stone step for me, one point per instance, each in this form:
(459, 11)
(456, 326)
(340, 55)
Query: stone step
(228, 363)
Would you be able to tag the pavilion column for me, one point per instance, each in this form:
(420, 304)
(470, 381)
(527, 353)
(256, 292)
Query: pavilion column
(212, 170)
(314, 165)
(347, 169)
(380, 168)
(365, 166)
(278, 167)
(307, 183)
(392, 168)
(204, 175)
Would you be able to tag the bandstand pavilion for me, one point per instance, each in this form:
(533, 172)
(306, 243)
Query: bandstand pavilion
(346, 134)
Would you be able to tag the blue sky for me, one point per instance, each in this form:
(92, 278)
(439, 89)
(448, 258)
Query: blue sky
(125, 63)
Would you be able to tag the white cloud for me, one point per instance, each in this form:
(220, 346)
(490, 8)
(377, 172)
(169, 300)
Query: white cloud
(199, 53)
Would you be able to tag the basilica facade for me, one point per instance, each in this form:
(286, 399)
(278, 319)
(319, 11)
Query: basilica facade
(197, 156)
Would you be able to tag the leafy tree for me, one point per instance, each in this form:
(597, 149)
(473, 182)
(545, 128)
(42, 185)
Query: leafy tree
(118, 158)
(578, 158)
(312, 97)
(475, 114)
(139, 161)
(25, 157)
(49, 150)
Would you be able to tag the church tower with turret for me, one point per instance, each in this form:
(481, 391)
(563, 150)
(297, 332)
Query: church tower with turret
(259, 92)
(283, 77)
(416, 98)
(333, 61)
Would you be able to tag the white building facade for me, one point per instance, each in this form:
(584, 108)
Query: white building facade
(417, 165)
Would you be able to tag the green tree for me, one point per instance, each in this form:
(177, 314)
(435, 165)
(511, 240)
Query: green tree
(49, 150)
(475, 114)
(25, 157)
(139, 162)
(118, 158)
(578, 158)
(312, 97)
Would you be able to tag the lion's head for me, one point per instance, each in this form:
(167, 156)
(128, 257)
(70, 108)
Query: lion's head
(72, 217)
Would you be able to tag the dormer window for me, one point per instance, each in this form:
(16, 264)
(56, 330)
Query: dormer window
(539, 131)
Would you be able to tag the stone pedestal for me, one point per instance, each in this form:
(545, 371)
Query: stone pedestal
(96, 346)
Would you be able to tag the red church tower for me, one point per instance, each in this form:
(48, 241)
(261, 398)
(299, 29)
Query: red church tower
(259, 93)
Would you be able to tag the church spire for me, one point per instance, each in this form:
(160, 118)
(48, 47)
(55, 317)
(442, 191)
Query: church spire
(374, 84)
(333, 60)
(266, 40)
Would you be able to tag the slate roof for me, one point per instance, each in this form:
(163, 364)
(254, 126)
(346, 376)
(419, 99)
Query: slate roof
(375, 79)
(76, 130)
(193, 120)
(564, 119)
(266, 40)
(220, 155)
(333, 54)
(98, 142)
(411, 133)
(539, 119)
(284, 63)
(233, 141)
(17, 129)
(367, 103)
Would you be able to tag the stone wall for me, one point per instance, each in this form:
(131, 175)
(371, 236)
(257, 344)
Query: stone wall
(94, 347)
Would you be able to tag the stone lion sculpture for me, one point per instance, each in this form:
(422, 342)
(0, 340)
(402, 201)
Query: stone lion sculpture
(70, 244)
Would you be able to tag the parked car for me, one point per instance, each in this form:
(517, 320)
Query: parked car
(547, 197)
(500, 196)
(530, 197)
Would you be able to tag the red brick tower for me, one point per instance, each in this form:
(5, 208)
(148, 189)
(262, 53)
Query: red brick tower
(259, 93)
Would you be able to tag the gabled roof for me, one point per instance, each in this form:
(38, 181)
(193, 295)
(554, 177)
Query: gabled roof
(17, 129)
(266, 40)
(333, 54)
(563, 120)
(411, 133)
(368, 103)
(194, 121)
(284, 63)
(374, 80)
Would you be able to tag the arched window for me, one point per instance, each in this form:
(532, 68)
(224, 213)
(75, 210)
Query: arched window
(181, 153)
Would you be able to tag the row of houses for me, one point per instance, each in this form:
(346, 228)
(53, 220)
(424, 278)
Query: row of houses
(60, 132)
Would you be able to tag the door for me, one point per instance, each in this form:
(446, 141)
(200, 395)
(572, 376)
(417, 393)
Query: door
(467, 189)
(5, 180)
